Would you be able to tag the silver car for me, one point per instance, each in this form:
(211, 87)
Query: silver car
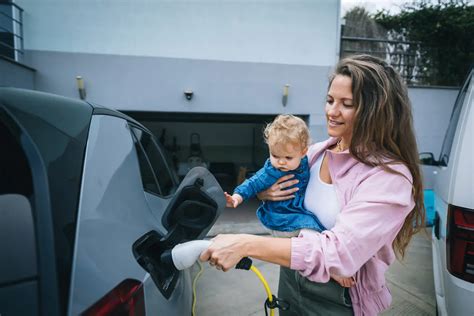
(88, 204)
(453, 230)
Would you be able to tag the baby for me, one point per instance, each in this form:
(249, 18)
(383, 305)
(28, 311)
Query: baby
(288, 140)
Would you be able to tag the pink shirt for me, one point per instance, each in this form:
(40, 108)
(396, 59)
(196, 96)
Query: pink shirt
(374, 204)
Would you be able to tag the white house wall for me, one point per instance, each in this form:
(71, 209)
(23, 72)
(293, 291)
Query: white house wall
(157, 84)
(301, 32)
(432, 109)
(236, 56)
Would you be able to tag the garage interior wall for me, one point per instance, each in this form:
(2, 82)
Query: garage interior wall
(219, 142)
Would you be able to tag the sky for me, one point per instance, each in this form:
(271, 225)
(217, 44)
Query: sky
(375, 5)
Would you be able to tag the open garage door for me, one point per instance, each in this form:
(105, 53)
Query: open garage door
(231, 146)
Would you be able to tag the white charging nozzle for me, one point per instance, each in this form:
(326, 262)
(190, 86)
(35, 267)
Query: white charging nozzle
(186, 254)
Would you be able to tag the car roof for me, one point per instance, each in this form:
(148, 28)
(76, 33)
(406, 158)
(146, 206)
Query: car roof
(59, 112)
(64, 114)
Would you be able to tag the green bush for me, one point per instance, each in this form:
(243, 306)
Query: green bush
(446, 33)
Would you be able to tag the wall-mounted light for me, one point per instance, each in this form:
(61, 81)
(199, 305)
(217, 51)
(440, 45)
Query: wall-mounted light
(188, 94)
(80, 87)
(284, 98)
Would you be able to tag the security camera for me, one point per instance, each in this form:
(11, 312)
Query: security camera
(188, 94)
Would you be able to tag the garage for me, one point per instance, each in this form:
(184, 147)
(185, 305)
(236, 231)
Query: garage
(231, 146)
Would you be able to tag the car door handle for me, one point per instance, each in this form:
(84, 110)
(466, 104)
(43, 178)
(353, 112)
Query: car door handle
(436, 225)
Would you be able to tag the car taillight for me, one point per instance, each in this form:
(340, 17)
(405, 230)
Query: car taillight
(460, 242)
(126, 299)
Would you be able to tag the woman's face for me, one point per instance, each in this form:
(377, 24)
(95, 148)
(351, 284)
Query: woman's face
(340, 109)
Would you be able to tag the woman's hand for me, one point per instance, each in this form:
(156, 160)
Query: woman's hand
(344, 282)
(225, 251)
(277, 191)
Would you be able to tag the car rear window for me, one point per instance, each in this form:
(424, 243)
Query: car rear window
(453, 123)
(15, 173)
(16, 196)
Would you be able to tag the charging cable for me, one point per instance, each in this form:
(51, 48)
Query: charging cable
(201, 270)
(183, 256)
(272, 301)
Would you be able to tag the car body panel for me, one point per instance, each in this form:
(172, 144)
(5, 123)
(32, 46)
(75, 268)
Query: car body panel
(453, 185)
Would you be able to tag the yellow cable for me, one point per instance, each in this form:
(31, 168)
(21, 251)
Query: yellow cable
(253, 268)
(194, 286)
(265, 284)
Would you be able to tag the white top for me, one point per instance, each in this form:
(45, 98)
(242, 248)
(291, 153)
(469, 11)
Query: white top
(320, 197)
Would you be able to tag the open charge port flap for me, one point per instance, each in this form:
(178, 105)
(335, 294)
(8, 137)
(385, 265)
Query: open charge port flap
(189, 216)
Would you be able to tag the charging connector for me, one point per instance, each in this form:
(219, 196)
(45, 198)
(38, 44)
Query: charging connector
(186, 254)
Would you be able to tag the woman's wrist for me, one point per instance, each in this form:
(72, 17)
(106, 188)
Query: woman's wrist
(248, 245)
(270, 249)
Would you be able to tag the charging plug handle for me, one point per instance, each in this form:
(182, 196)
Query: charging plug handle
(186, 254)
(244, 264)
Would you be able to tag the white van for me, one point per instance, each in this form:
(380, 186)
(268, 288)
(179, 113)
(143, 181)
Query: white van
(453, 230)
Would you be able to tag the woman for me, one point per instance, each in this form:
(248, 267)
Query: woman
(371, 162)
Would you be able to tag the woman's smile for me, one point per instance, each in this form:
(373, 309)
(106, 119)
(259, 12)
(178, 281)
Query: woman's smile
(334, 123)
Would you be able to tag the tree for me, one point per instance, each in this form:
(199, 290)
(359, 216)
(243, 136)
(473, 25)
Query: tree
(359, 24)
(445, 31)
(362, 34)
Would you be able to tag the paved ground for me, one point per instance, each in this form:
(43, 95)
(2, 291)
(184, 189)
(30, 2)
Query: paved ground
(240, 292)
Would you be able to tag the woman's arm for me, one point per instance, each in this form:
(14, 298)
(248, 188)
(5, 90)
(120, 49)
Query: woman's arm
(369, 221)
(227, 250)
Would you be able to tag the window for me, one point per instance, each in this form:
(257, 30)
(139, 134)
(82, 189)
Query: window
(16, 213)
(453, 123)
(15, 173)
(11, 30)
(156, 174)
(150, 184)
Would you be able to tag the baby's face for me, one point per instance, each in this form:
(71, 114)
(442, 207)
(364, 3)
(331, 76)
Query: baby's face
(286, 157)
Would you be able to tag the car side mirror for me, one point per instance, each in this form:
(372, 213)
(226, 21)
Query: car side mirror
(428, 159)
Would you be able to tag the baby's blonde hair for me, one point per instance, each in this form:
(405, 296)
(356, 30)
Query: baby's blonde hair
(287, 128)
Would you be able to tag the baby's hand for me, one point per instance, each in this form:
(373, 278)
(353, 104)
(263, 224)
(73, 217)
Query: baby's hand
(231, 200)
(344, 282)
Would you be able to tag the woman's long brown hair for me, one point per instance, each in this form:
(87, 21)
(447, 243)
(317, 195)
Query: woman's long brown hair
(383, 129)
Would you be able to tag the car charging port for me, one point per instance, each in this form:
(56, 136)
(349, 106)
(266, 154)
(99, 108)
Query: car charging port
(190, 213)
(148, 251)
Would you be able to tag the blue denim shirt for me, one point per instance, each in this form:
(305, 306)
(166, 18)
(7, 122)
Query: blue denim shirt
(288, 215)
